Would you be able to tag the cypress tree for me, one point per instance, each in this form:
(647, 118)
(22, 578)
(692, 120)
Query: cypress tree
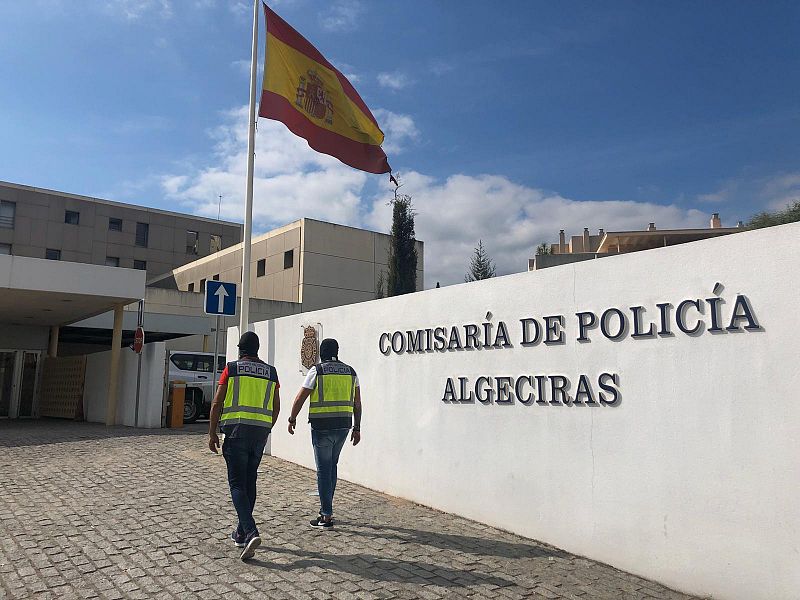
(481, 266)
(402, 273)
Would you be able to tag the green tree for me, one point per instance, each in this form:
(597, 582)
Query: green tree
(402, 275)
(480, 266)
(381, 283)
(790, 214)
(543, 249)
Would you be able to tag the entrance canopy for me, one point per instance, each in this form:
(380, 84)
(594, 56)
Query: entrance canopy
(40, 292)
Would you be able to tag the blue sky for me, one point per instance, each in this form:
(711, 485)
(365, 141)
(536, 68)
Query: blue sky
(507, 121)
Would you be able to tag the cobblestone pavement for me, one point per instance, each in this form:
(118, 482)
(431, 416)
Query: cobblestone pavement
(92, 512)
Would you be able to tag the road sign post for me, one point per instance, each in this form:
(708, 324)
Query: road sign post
(138, 345)
(138, 340)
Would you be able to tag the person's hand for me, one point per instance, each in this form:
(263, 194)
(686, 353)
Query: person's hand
(291, 427)
(355, 436)
(213, 442)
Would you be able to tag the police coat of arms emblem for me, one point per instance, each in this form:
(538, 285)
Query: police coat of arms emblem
(309, 349)
(313, 98)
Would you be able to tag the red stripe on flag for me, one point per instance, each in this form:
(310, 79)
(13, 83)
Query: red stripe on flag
(366, 157)
(290, 36)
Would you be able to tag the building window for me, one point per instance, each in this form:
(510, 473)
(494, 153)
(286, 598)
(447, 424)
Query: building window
(261, 267)
(5, 248)
(114, 224)
(202, 285)
(140, 265)
(7, 211)
(191, 242)
(142, 234)
(216, 243)
(191, 287)
(112, 261)
(288, 259)
(72, 217)
(51, 254)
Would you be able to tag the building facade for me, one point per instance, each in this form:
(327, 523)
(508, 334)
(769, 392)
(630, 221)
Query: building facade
(314, 263)
(608, 243)
(40, 223)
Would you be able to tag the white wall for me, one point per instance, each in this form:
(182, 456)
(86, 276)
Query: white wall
(691, 480)
(95, 393)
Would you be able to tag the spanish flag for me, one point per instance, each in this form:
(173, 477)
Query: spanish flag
(315, 101)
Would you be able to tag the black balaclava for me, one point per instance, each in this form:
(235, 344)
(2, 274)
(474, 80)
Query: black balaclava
(329, 349)
(248, 344)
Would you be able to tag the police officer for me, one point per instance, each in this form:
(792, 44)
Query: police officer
(335, 403)
(249, 403)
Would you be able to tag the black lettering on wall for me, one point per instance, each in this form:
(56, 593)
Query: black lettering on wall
(471, 337)
(554, 329)
(743, 311)
(504, 393)
(483, 385)
(531, 332)
(609, 382)
(586, 321)
(449, 391)
(383, 345)
(559, 386)
(501, 341)
(519, 390)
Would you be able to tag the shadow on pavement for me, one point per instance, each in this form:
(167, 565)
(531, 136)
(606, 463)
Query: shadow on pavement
(382, 569)
(478, 546)
(40, 432)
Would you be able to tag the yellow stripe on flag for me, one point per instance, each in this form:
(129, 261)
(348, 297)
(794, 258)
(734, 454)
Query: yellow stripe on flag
(285, 67)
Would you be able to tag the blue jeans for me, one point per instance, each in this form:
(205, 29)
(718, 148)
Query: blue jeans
(242, 456)
(327, 447)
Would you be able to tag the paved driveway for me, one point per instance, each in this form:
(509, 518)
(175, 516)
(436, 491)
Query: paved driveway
(92, 512)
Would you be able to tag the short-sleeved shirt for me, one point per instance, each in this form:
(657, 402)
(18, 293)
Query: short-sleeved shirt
(243, 430)
(325, 424)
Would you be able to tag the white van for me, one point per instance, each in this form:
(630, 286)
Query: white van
(196, 369)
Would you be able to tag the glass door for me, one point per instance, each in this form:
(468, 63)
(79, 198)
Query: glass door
(8, 361)
(28, 384)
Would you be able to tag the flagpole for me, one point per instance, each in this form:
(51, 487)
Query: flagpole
(244, 311)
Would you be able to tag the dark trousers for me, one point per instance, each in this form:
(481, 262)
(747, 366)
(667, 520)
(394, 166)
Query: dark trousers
(327, 447)
(243, 456)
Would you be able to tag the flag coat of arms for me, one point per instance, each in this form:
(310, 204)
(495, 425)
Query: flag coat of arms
(316, 102)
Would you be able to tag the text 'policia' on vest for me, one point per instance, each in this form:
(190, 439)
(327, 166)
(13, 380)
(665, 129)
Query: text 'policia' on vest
(334, 392)
(251, 390)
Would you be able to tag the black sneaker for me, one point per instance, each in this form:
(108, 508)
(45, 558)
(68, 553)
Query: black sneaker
(321, 523)
(238, 538)
(252, 542)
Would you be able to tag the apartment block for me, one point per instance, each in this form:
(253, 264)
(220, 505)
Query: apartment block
(315, 263)
(40, 223)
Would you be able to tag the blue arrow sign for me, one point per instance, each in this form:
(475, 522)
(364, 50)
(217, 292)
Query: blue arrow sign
(220, 298)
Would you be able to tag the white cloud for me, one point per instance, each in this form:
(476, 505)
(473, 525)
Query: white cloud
(134, 10)
(343, 15)
(511, 219)
(394, 81)
(439, 67)
(349, 71)
(762, 193)
(292, 181)
(782, 190)
(243, 67)
(140, 124)
(398, 129)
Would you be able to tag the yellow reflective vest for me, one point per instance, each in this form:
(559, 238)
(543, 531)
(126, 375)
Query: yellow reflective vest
(251, 390)
(334, 391)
